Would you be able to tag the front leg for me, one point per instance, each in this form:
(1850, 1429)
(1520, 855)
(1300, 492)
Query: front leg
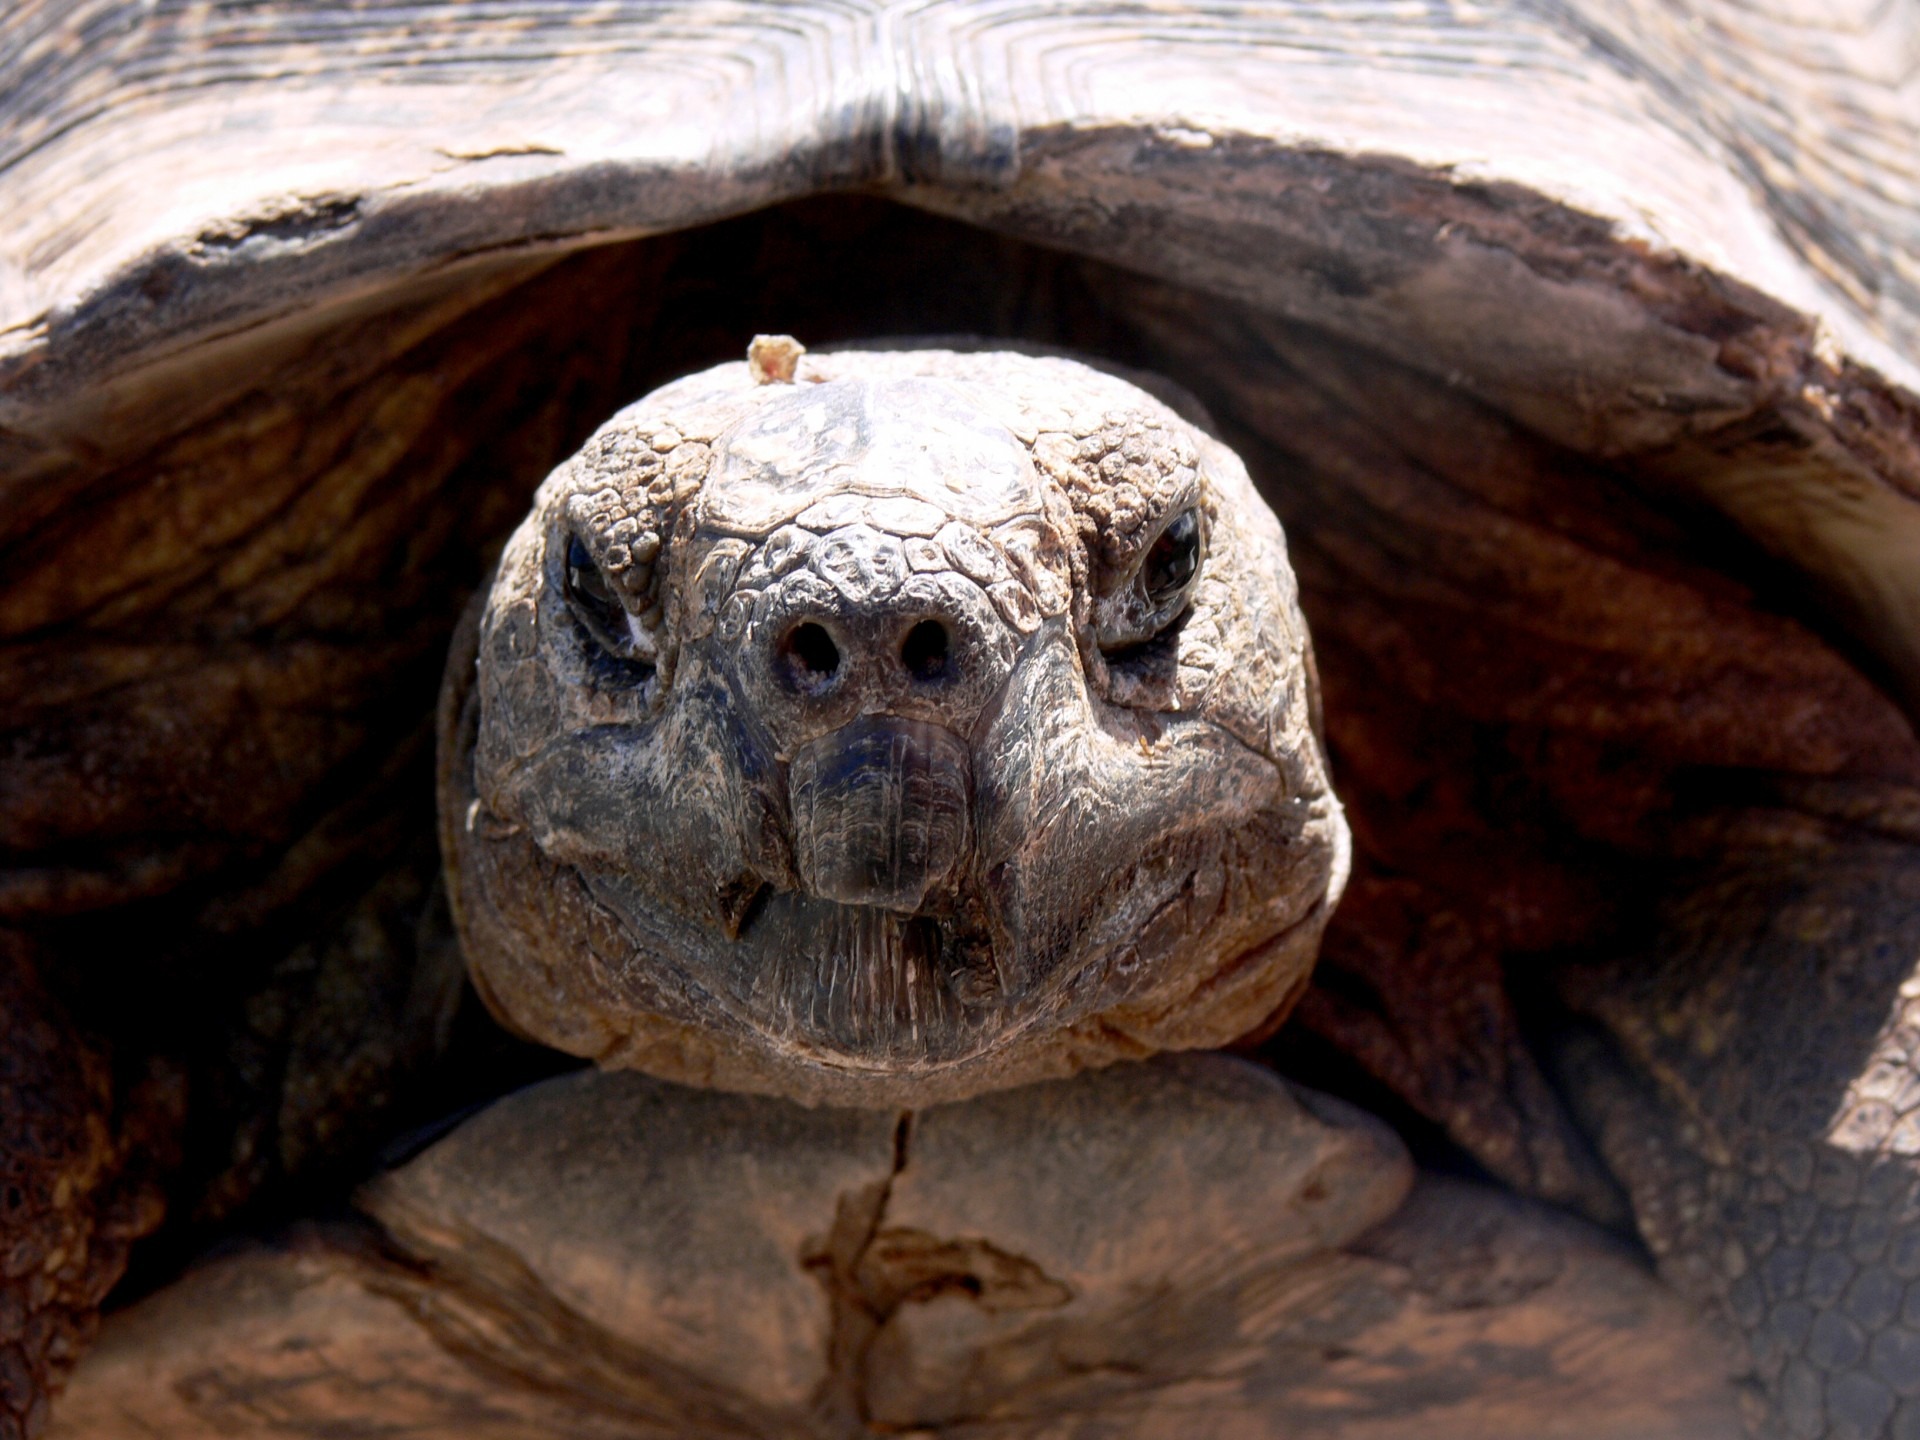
(1758, 1090)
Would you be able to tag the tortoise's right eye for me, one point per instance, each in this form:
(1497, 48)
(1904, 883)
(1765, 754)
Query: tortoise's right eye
(594, 603)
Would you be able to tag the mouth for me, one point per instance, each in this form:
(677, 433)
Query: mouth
(874, 959)
(874, 949)
(880, 938)
(874, 994)
(864, 986)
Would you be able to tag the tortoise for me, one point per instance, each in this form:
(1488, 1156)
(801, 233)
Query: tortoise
(1571, 345)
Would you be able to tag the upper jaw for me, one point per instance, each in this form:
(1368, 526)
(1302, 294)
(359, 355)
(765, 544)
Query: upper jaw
(880, 812)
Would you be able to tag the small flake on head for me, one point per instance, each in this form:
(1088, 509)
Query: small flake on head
(772, 359)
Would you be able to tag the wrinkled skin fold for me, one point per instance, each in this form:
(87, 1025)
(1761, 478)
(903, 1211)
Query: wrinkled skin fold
(927, 724)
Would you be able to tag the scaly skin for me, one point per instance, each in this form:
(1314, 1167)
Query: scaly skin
(707, 846)
(1758, 1090)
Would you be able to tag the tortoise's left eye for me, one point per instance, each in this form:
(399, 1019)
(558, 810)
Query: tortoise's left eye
(1172, 561)
(1145, 609)
(593, 602)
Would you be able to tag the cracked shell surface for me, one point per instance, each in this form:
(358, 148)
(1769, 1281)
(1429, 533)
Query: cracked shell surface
(1188, 1248)
(915, 761)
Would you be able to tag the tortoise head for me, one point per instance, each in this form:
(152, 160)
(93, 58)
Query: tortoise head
(927, 723)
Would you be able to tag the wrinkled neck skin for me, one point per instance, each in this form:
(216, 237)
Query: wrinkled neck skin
(871, 739)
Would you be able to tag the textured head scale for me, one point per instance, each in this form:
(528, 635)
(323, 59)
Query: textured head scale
(923, 724)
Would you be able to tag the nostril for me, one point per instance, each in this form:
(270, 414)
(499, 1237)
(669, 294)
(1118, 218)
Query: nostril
(809, 657)
(924, 652)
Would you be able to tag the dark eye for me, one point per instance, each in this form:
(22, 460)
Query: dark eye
(595, 605)
(1138, 621)
(1172, 562)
